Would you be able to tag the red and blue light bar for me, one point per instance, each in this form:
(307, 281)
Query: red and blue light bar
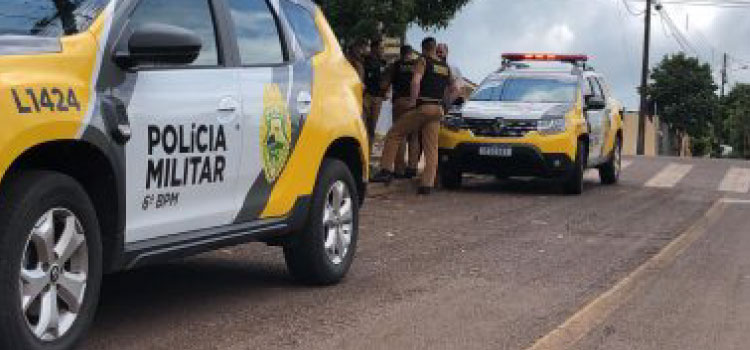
(517, 57)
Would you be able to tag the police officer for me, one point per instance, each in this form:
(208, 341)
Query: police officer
(374, 65)
(442, 52)
(431, 82)
(356, 57)
(398, 78)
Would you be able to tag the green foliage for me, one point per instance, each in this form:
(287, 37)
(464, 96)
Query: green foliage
(355, 19)
(737, 108)
(685, 95)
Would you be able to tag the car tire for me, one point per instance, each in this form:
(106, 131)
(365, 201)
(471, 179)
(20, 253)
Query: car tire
(609, 173)
(451, 178)
(50, 262)
(324, 251)
(573, 184)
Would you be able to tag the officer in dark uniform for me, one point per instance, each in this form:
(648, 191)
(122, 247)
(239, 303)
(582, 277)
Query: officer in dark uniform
(374, 65)
(356, 57)
(398, 78)
(431, 82)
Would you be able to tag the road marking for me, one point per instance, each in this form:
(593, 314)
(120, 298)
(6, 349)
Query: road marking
(737, 180)
(670, 176)
(626, 164)
(575, 328)
(591, 175)
(735, 201)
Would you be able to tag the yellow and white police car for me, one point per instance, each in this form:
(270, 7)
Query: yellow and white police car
(554, 119)
(135, 131)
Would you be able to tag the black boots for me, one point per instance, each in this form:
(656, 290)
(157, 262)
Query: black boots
(424, 191)
(408, 174)
(383, 176)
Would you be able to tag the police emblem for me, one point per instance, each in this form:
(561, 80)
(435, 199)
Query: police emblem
(275, 132)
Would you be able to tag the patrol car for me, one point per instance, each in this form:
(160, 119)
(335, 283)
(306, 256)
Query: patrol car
(540, 115)
(135, 131)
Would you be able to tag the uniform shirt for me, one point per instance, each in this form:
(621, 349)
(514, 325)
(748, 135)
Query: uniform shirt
(458, 80)
(402, 73)
(436, 80)
(374, 69)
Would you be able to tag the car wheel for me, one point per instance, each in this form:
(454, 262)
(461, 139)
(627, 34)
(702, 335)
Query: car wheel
(573, 185)
(324, 251)
(50, 262)
(610, 171)
(450, 177)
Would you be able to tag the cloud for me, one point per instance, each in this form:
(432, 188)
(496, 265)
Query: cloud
(602, 29)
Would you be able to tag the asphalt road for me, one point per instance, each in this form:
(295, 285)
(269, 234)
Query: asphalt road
(493, 266)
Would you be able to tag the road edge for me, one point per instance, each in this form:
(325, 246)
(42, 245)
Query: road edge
(576, 327)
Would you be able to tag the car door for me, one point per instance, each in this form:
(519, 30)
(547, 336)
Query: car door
(184, 156)
(596, 120)
(275, 84)
(610, 113)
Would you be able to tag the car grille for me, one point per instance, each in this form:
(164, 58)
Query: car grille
(500, 127)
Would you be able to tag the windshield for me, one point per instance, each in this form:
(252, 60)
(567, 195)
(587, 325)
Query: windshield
(539, 90)
(48, 18)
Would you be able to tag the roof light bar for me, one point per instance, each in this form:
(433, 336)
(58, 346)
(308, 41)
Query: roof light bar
(516, 57)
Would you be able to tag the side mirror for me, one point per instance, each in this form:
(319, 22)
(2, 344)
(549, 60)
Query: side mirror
(158, 45)
(595, 103)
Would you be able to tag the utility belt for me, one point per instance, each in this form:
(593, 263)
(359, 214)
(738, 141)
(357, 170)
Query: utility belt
(429, 101)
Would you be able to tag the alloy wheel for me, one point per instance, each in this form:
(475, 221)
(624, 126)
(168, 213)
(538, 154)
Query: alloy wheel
(54, 274)
(338, 222)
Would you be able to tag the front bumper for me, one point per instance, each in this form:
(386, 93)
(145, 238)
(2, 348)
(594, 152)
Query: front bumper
(526, 160)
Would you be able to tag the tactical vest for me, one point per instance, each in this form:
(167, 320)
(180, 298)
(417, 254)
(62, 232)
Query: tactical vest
(436, 79)
(402, 75)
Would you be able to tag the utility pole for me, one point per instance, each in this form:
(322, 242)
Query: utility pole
(724, 74)
(719, 120)
(644, 82)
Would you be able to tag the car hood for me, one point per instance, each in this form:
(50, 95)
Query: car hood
(513, 110)
(27, 45)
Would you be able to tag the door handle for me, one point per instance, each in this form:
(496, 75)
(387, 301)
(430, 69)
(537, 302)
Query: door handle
(228, 104)
(304, 102)
(228, 107)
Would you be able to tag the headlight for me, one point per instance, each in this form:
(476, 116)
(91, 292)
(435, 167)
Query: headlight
(554, 125)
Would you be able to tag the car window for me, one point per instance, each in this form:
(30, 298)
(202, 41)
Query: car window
(545, 90)
(594, 88)
(257, 32)
(602, 87)
(305, 28)
(587, 89)
(490, 92)
(535, 90)
(48, 18)
(194, 15)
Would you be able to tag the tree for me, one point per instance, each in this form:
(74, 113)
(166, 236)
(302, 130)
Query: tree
(684, 92)
(737, 106)
(357, 19)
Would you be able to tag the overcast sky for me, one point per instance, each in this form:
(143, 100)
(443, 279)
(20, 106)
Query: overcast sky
(603, 29)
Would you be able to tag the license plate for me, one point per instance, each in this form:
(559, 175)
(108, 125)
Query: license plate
(496, 151)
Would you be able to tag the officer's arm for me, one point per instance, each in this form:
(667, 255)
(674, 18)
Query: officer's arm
(454, 89)
(416, 81)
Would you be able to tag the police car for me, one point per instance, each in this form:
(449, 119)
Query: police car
(540, 115)
(135, 131)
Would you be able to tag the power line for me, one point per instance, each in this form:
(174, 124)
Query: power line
(725, 4)
(631, 11)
